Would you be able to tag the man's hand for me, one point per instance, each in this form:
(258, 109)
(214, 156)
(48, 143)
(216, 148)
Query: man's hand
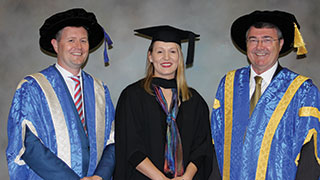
(95, 177)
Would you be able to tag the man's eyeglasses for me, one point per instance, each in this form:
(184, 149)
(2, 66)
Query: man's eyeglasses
(264, 41)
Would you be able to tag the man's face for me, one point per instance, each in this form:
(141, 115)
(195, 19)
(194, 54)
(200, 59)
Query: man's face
(263, 48)
(72, 48)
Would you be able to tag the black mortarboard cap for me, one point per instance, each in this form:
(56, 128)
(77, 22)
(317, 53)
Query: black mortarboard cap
(167, 33)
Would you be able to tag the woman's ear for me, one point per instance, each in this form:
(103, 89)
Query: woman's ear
(150, 57)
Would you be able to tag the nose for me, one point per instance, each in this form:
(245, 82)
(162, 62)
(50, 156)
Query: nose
(166, 55)
(78, 44)
(259, 44)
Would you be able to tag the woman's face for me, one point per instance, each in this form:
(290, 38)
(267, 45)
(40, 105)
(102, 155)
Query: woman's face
(165, 59)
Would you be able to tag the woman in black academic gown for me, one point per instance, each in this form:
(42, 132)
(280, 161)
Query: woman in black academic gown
(162, 125)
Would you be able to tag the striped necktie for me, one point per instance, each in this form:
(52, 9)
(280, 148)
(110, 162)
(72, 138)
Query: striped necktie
(77, 98)
(256, 94)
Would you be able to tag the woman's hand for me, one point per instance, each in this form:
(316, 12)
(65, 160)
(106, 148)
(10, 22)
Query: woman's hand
(189, 173)
(182, 178)
(147, 168)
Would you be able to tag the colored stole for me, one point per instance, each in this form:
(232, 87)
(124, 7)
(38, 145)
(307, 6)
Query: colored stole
(173, 149)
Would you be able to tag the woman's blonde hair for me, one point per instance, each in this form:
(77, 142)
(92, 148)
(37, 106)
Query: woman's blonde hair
(182, 86)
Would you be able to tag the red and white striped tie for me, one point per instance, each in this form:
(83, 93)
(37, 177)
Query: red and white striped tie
(77, 98)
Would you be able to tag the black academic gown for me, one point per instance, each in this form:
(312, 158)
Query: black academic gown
(141, 126)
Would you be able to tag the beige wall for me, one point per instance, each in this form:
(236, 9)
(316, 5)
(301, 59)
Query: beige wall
(214, 56)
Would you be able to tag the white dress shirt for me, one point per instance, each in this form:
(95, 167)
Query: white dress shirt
(70, 83)
(266, 78)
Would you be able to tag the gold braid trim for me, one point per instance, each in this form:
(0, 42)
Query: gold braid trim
(228, 112)
(273, 124)
(309, 111)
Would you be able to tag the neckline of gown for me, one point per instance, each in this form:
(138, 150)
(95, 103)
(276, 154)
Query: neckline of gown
(164, 83)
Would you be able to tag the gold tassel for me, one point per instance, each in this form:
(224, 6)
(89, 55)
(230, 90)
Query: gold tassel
(298, 41)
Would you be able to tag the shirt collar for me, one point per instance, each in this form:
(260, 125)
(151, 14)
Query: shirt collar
(65, 73)
(267, 75)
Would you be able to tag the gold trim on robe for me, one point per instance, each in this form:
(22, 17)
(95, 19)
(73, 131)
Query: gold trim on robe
(273, 124)
(228, 113)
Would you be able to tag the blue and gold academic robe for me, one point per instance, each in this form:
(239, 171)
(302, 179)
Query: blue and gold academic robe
(43, 105)
(266, 145)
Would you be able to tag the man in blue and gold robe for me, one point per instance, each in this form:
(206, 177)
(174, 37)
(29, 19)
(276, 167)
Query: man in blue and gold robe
(276, 135)
(46, 138)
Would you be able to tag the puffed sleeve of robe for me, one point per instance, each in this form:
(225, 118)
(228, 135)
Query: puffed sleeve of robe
(201, 152)
(129, 144)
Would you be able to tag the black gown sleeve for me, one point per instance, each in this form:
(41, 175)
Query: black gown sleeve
(202, 149)
(203, 154)
(215, 174)
(129, 144)
(127, 116)
(308, 167)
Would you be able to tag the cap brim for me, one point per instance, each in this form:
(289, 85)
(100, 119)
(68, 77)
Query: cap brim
(240, 27)
(95, 33)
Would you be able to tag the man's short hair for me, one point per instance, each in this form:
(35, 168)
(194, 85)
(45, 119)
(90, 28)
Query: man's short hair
(260, 25)
(58, 34)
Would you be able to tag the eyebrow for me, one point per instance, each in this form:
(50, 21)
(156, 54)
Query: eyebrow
(251, 37)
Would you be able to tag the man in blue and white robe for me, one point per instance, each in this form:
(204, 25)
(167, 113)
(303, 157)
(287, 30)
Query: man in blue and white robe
(43, 104)
(46, 139)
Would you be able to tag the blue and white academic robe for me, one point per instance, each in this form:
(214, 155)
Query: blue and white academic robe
(43, 103)
(266, 145)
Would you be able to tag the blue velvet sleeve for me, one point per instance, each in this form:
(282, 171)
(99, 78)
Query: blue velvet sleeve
(106, 165)
(42, 161)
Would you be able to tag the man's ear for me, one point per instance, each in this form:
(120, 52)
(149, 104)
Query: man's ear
(54, 43)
